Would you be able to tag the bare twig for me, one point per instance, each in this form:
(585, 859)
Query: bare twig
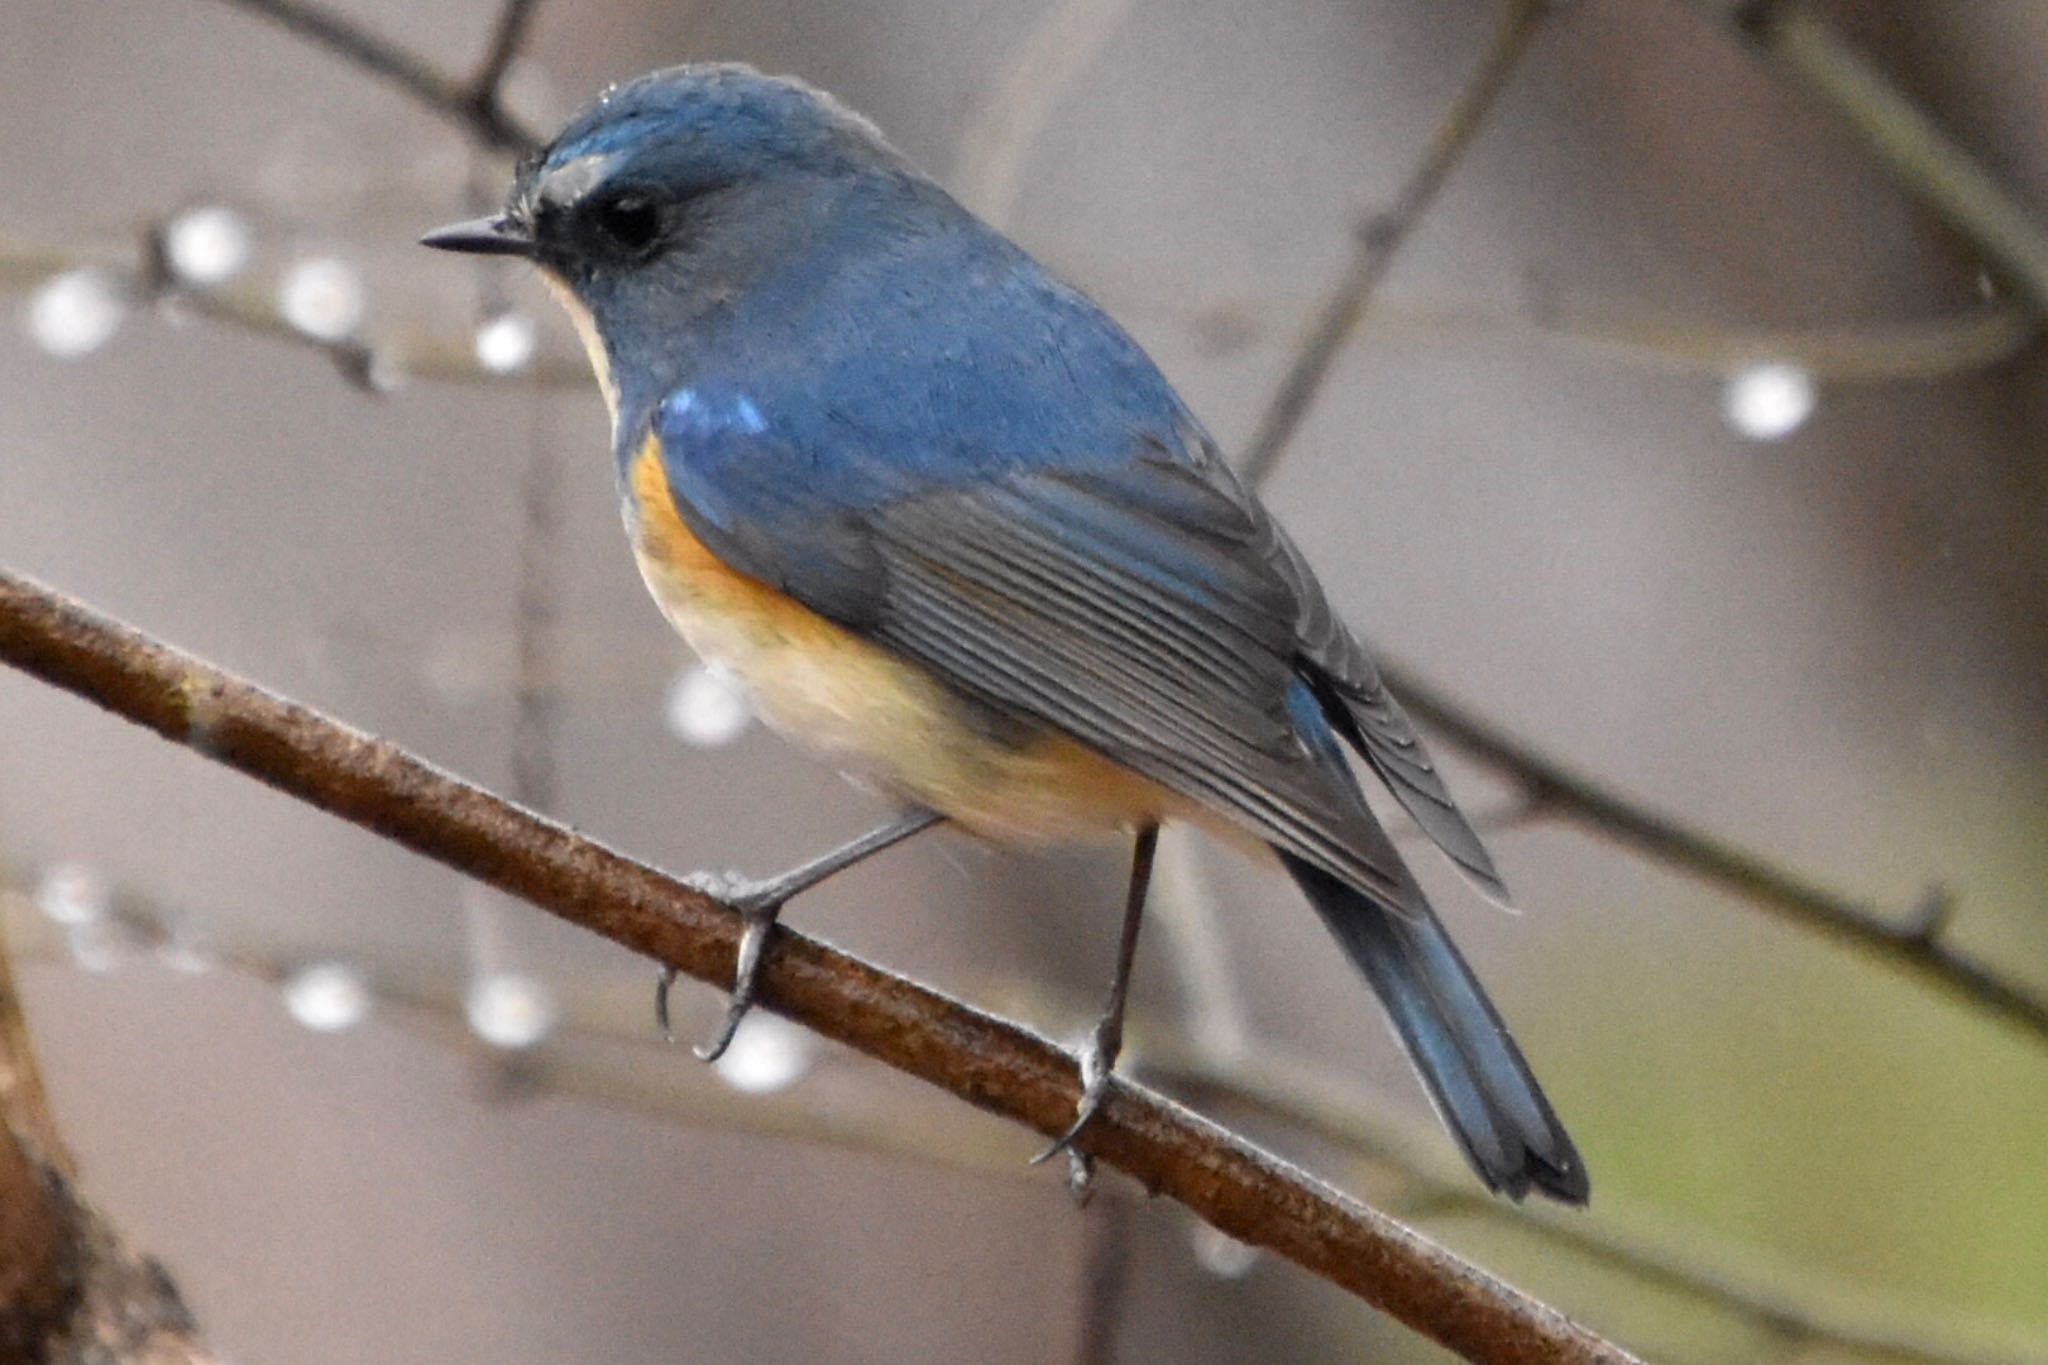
(1912, 943)
(1062, 45)
(1920, 156)
(536, 705)
(1273, 1085)
(1242, 1190)
(1380, 236)
(1105, 1273)
(38, 1243)
(1184, 905)
(371, 363)
(1683, 1259)
(1913, 946)
(453, 99)
(24, 1103)
(1971, 340)
(71, 1292)
(508, 39)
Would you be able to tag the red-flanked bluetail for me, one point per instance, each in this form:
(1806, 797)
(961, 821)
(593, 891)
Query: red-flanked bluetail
(960, 537)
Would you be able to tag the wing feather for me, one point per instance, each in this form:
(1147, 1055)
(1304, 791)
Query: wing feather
(1145, 604)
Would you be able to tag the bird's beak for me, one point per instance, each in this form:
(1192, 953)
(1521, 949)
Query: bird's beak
(497, 236)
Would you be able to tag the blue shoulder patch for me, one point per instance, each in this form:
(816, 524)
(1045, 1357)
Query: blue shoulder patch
(715, 448)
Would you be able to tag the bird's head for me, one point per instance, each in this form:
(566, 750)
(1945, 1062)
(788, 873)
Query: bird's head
(673, 193)
(653, 163)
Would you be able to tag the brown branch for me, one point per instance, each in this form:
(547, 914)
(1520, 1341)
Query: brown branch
(1274, 1086)
(1105, 1277)
(508, 39)
(1380, 237)
(373, 364)
(1970, 340)
(1677, 1257)
(1913, 943)
(1242, 1190)
(1043, 70)
(536, 706)
(1925, 160)
(1979, 337)
(71, 1292)
(38, 1246)
(472, 107)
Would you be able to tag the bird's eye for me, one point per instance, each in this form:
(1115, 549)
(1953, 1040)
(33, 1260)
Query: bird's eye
(628, 222)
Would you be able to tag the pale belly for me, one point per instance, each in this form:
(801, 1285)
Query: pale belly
(875, 716)
(859, 707)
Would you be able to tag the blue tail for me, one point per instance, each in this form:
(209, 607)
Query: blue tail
(1482, 1088)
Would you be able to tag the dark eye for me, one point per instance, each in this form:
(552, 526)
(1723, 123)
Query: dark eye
(628, 222)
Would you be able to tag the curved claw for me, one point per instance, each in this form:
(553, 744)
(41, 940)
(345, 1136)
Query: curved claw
(735, 1010)
(1095, 1067)
(753, 940)
(1091, 1105)
(662, 984)
(1080, 1177)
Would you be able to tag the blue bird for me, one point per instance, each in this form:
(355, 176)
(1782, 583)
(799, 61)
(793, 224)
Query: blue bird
(959, 536)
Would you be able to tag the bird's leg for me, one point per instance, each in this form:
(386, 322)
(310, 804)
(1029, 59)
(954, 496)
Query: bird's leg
(759, 903)
(1106, 1039)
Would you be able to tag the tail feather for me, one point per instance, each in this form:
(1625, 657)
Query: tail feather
(1474, 1072)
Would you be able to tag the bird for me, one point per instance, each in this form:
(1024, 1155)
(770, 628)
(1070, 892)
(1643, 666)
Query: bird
(959, 536)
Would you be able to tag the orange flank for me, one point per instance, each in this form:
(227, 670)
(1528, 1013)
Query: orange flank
(872, 712)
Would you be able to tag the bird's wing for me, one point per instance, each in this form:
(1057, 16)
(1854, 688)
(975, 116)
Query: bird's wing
(1147, 606)
(1347, 683)
(1372, 721)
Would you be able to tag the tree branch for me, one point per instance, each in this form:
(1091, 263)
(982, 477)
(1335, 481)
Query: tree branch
(1242, 1190)
(1970, 340)
(1061, 46)
(580, 1060)
(508, 39)
(1913, 944)
(1380, 236)
(472, 107)
(38, 1245)
(1930, 164)
(71, 1292)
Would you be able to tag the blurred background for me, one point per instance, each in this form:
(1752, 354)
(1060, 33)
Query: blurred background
(1679, 443)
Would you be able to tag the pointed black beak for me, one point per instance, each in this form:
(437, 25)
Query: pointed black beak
(498, 236)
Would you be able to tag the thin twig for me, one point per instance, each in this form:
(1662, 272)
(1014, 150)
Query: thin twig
(1380, 237)
(1917, 947)
(1923, 158)
(1967, 341)
(452, 99)
(1184, 905)
(1682, 1259)
(1913, 943)
(1235, 1186)
(372, 363)
(582, 1059)
(70, 1288)
(24, 1101)
(1971, 340)
(508, 40)
(1105, 1274)
(1066, 40)
(536, 705)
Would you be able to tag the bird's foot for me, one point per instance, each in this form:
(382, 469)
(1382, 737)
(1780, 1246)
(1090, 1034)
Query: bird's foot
(759, 903)
(1098, 1060)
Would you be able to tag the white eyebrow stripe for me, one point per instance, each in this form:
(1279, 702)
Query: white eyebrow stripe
(571, 180)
